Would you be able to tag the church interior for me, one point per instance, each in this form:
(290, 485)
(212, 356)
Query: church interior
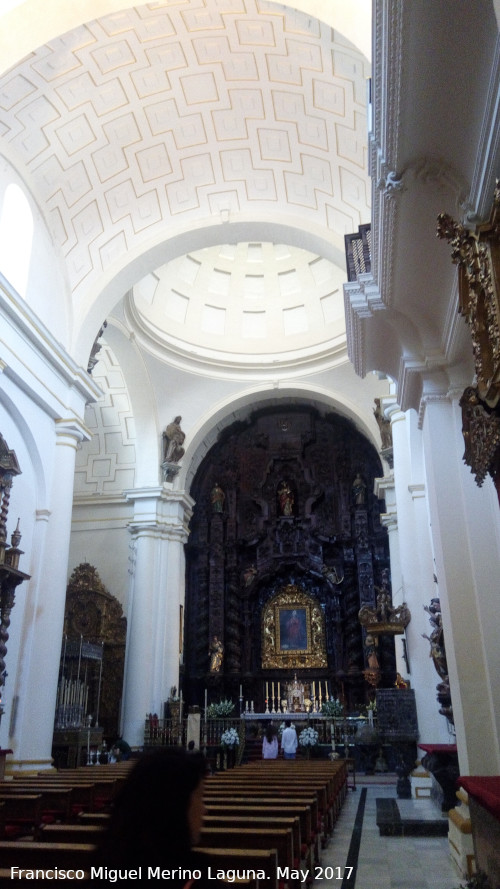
(249, 366)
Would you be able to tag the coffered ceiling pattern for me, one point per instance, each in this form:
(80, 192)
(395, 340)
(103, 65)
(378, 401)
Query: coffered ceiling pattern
(175, 114)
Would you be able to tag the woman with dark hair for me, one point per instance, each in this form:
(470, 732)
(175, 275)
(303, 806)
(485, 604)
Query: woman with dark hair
(270, 743)
(156, 819)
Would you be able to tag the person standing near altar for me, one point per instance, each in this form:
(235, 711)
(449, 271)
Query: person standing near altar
(270, 743)
(289, 741)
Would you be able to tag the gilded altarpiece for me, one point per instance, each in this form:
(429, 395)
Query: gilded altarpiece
(284, 506)
(476, 252)
(93, 614)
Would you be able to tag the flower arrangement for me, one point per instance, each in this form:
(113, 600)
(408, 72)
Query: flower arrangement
(220, 710)
(230, 738)
(308, 737)
(332, 708)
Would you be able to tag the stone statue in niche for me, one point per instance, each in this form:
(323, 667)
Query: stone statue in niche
(285, 499)
(217, 498)
(330, 575)
(173, 439)
(359, 490)
(384, 425)
(216, 655)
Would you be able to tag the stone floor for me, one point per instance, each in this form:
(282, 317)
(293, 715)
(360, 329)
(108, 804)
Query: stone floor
(385, 862)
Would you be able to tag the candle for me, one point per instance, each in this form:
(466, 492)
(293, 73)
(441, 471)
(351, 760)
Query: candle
(326, 690)
(272, 690)
(314, 689)
(267, 689)
(279, 692)
(241, 691)
(206, 699)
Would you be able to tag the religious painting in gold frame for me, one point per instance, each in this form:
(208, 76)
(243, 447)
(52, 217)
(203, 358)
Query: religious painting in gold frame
(293, 631)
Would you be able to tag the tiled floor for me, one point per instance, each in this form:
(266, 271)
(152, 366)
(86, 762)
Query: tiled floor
(387, 862)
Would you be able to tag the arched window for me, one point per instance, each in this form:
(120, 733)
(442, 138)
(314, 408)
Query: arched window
(16, 238)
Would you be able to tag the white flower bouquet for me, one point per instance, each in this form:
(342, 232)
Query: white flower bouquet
(308, 737)
(230, 738)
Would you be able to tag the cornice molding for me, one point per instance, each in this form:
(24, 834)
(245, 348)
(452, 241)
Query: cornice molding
(362, 299)
(417, 491)
(486, 167)
(34, 332)
(438, 398)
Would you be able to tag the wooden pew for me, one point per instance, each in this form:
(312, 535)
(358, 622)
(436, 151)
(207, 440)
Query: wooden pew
(233, 808)
(227, 859)
(273, 792)
(251, 838)
(22, 812)
(327, 780)
(100, 818)
(82, 793)
(31, 855)
(250, 821)
(70, 833)
(56, 801)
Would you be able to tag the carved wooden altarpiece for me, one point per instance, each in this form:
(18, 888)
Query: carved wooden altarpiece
(95, 615)
(288, 524)
(476, 252)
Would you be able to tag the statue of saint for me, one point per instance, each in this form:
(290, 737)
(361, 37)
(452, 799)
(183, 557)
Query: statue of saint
(285, 499)
(359, 490)
(248, 575)
(384, 425)
(217, 498)
(173, 439)
(216, 655)
(371, 652)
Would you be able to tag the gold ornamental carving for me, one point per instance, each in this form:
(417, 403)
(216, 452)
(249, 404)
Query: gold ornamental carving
(384, 617)
(476, 252)
(481, 432)
(293, 631)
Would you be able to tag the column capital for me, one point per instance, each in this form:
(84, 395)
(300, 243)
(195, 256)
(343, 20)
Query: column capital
(383, 484)
(160, 513)
(70, 431)
(389, 520)
(417, 491)
(158, 531)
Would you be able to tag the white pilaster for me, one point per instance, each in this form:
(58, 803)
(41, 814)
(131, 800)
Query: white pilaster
(465, 525)
(415, 585)
(159, 531)
(32, 724)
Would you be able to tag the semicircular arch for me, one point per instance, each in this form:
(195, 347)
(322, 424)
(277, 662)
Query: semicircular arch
(222, 414)
(120, 278)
